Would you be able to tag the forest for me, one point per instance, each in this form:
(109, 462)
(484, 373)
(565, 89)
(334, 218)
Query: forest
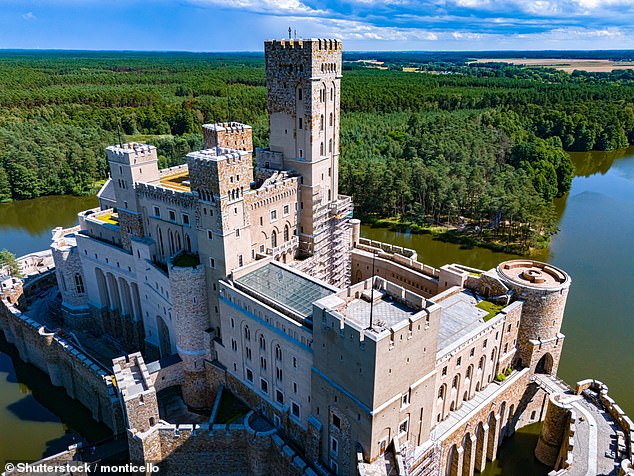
(482, 145)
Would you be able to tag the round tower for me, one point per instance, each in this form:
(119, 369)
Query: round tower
(355, 225)
(189, 305)
(553, 431)
(544, 290)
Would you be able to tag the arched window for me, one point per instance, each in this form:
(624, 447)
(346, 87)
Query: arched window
(455, 382)
(188, 243)
(321, 148)
(330, 145)
(441, 392)
(332, 94)
(262, 342)
(286, 233)
(330, 120)
(274, 239)
(321, 122)
(278, 352)
(79, 283)
(247, 333)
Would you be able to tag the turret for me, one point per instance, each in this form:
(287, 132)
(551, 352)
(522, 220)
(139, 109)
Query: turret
(544, 290)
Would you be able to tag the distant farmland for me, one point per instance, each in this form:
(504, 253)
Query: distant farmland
(568, 65)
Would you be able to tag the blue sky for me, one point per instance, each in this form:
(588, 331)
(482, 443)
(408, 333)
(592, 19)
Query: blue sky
(242, 25)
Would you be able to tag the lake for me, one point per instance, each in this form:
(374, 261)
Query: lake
(594, 245)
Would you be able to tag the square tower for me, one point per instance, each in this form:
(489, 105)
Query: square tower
(303, 83)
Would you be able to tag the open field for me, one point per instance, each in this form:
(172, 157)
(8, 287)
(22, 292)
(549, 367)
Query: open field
(568, 65)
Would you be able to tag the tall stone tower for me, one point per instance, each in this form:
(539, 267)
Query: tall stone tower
(544, 290)
(303, 82)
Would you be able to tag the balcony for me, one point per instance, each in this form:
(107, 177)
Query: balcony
(285, 247)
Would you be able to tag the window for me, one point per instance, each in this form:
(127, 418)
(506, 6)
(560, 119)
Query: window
(294, 387)
(210, 235)
(334, 466)
(444, 371)
(299, 94)
(301, 123)
(262, 341)
(321, 122)
(157, 212)
(247, 333)
(249, 375)
(472, 352)
(330, 145)
(279, 397)
(273, 215)
(405, 399)
(469, 372)
(454, 384)
(212, 262)
(287, 210)
(237, 232)
(295, 409)
(336, 421)
(264, 385)
(321, 148)
(484, 344)
(278, 373)
(458, 361)
(172, 215)
(278, 352)
(240, 261)
(248, 351)
(330, 121)
(441, 392)
(295, 362)
(286, 233)
(263, 363)
(79, 283)
(234, 345)
(334, 445)
(403, 426)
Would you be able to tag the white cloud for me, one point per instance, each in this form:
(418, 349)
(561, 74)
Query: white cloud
(261, 6)
(29, 16)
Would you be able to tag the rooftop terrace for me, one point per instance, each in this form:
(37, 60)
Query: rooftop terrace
(178, 181)
(386, 311)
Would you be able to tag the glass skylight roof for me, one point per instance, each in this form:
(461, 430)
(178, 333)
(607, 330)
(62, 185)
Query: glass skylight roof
(289, 289)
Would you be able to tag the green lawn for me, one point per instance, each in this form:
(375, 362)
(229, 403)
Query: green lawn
(491, 308)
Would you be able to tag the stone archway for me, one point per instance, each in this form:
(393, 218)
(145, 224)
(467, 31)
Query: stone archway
(545, 364)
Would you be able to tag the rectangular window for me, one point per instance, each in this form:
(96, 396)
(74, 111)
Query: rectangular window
(279, 397)
(185, 219)
(444, 371)
(248, 353)
(263, 363)
(336, 421)
(301, 123)
(287, 209)
(295, 409)
(249, 375)
(405, 399)
(334, 445)
(458, 361)
(273, 215)
(240, 261)
(210, 235)
(403, 426)
(278, 373)
(264, 385)
(157, 212)
(237, 232)
(212, 262)
(172, 215)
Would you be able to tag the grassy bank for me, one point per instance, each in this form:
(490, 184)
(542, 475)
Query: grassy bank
(492, 239)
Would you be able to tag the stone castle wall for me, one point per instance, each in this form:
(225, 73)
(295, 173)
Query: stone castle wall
(66, 365)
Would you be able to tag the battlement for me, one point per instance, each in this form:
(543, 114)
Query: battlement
(217, 154)
(304, 44)
(131, 153)
(132, 375)
(232, 135)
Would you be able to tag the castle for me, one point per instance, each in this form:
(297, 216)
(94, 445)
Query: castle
(256, 280)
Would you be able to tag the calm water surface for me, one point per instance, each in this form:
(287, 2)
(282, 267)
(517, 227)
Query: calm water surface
(594, 245)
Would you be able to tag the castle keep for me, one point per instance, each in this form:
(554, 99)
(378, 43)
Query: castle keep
(243, 271)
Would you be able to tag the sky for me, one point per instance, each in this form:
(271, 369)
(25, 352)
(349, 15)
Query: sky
(363, 25)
